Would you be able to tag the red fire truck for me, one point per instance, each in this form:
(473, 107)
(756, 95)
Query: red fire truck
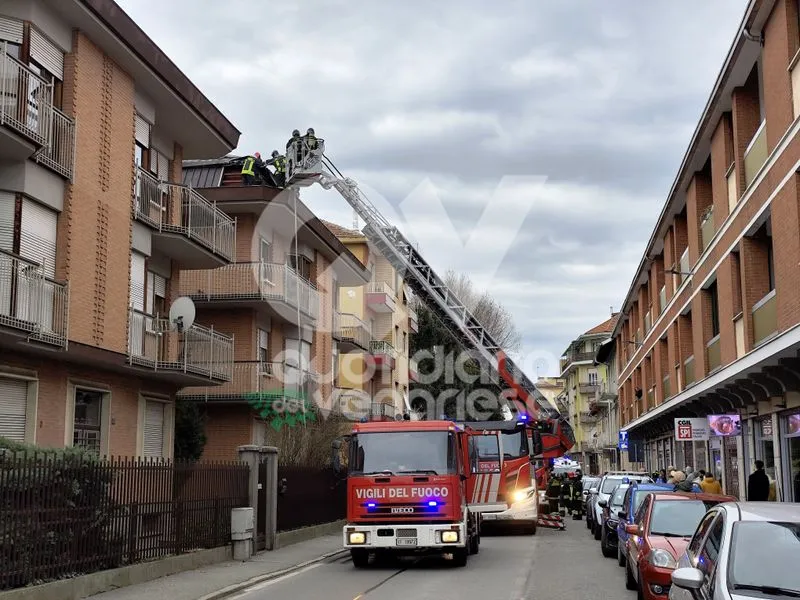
(408, 490)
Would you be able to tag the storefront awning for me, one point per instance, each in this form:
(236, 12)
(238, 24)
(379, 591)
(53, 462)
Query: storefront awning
(767, 372)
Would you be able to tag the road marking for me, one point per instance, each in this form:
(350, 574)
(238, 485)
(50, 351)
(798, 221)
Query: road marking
(261, 586)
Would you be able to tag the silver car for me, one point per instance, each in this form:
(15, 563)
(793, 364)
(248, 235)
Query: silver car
(741, 551)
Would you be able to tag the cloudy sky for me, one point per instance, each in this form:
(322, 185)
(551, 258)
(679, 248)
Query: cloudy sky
(529, 143)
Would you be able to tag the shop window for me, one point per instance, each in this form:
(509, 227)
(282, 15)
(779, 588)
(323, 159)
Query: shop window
(792, 453)
(764, 446)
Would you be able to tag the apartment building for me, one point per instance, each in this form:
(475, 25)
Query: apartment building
(711, 322)
(94, 226)
(278, 301)
(551, 388)
(585, 395)
(372, 328)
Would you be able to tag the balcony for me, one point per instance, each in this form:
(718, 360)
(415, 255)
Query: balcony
(685, 267)
(765, 318)
(413, 370)
(662, 299)
(588, 388)
(187, 227)
(382, 355)
(258, 383)
(756, 154)
(381, 297)
(713, 355)
(413, 321)
(197, 354)
(666, 389)
(257, 285)
(688, 371)
(30, 126)
(651, 398)
(32, 305)
(352, 333)
(648, 322)
(575, 357)
(587, 418)
(732, 187)
(707, 229)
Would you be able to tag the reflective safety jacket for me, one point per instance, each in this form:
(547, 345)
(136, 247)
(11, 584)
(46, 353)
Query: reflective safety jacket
(247, 167)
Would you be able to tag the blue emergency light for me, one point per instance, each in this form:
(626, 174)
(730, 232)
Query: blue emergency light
(371, 505)
(433, 503)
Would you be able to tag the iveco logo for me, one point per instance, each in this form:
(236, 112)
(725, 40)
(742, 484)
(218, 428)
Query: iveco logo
(402, 509)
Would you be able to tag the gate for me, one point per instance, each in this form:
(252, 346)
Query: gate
(309, 496)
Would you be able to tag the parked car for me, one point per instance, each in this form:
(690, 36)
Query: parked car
(608, 525)
(659, 534)
(589, 495)
(634, 496)
(742, 550)
(607, 485)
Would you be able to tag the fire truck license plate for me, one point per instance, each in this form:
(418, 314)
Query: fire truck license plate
(406, 541)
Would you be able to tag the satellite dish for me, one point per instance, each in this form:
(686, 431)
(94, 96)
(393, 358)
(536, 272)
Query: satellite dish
(181, 314)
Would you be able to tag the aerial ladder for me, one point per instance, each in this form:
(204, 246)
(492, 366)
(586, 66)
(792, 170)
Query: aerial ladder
(306, 166)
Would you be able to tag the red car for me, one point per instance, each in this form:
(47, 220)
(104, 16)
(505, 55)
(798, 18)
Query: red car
(660, 532)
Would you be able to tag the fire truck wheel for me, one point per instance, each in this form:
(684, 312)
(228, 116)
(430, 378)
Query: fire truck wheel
(360, 557)
(460, 556)
(474, 544)
(532, 528)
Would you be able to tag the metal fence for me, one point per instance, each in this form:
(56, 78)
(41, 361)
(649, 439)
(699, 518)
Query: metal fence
(59, 154)
(63, 515)
(309, 496)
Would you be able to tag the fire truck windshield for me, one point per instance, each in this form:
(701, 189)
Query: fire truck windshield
(403, 452)
(515, 444)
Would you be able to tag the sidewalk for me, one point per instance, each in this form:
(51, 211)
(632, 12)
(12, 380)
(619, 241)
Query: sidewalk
(192, 585)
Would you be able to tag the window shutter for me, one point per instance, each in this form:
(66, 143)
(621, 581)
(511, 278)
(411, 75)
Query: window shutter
(142, 131)
(159, 286)
(153, 429)
(263, 339)
(10, 30)
(38, 235)
(163, 167)
(7, 202)
(13, 407)
(47, 54)
(137, 281)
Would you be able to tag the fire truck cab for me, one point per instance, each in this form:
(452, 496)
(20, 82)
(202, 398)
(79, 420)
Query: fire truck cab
(407, 490)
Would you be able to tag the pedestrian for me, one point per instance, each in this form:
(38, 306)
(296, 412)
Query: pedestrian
(662, 478)
(671, 470)
(710, 485)
(682, 484)
(758, 484)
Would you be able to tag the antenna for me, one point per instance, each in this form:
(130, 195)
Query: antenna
(181, 314)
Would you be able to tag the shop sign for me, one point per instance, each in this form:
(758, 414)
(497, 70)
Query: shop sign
(691, 430)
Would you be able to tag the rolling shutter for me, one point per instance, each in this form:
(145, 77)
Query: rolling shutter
(13, 407)
(137, 281)
(153, 428)
(142, 131)
(38, 235)
(47, 54)
(7, 202)
(10, 30)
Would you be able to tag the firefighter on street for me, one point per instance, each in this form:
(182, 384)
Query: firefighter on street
(554, 493)
(575, 495)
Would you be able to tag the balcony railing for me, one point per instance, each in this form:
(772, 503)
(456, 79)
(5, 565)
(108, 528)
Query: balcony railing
(713, 354)
(381, 297)
(382, 347)
(578, 357)
(258, 382)
(24, 99)
(32, 302)
(588, 388)
(732, 184)
(684, 265)
(662, 299)
(756, 154)
(765, 318)
(267, 282)
(379, 410)
(175, 208)
(59, 153)
(587, 417)
(688, 371)
(707, 230)
(197, 350)
(666, 389)
(348, 327)
(380, 287)
(648, 322)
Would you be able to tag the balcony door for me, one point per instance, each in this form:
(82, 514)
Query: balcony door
(297, 363)
(35, 297)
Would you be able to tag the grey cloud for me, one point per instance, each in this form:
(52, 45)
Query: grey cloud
(599, 97)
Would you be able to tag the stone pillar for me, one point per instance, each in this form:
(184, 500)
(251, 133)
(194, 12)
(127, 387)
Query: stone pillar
(254, 456)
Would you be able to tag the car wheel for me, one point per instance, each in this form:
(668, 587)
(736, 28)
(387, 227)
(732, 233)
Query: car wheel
(620, 555)
(630, 582)
(588, 522)
(360, 557)
(639, 589)
(598, 530)
(607, 551)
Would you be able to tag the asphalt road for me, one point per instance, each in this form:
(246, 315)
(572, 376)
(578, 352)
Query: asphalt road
(551, 565)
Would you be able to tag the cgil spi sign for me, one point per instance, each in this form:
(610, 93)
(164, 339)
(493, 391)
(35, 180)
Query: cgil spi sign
(691, 430)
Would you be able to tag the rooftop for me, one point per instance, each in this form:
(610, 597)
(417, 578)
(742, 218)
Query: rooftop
(343, 232)
(604, 327)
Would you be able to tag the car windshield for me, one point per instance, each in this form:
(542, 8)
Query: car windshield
(619, 496)
(515, 444)
(609, 484)
(677, 518)
(403, 452)
(638, 498)
(753, 565)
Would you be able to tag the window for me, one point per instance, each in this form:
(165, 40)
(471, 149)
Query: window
(154, 429)
(86, 425)
(713, 293)
(592, 377)
(405, 343)
(700, 533)
(707, 559)
(301, 265)
(139, 154)
(159, 165)
(776, 567)
(677, 517)
(156, 294)
(13, 408)
(138, 278)
(265, 251)
(263, 346)
(396, 340)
